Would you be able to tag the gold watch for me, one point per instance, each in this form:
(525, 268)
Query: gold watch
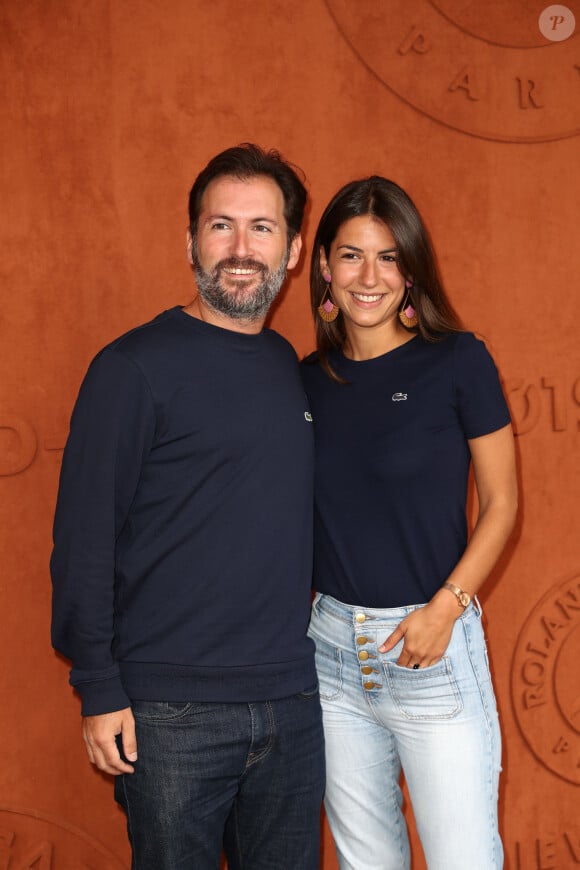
(463, 599)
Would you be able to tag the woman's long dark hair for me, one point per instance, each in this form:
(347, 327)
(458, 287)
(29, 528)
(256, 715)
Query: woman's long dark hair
(386, 201)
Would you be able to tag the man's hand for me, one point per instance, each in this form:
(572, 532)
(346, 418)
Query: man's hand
(99, 734)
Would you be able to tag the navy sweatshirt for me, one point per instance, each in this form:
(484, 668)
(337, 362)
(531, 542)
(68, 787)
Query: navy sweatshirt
(183, 532)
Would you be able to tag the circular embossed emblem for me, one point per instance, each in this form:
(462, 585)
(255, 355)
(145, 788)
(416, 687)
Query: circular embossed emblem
(483, 68)
(545, 687)
(33, 841)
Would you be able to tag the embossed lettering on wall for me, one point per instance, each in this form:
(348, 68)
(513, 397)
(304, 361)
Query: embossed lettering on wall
(469, 65)
(32, 841)
(550, 851)
(19, 443)
(549, 398)
(545, 688)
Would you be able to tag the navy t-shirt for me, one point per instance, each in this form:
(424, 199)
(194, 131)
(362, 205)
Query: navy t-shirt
(392, 465)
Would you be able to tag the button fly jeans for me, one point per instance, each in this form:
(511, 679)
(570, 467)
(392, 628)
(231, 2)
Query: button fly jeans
(438, 724)
(248, 777)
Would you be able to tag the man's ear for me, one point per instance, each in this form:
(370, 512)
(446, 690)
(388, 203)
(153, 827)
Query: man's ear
(295, 248)
(189, 246)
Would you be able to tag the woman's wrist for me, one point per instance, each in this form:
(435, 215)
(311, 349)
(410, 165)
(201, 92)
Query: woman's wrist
(446, 603)
(463, 597)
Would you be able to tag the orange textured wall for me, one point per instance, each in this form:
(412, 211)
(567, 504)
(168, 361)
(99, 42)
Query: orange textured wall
(109, 109)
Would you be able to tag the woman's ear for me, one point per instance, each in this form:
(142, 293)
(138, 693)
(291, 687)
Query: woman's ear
(324, 265)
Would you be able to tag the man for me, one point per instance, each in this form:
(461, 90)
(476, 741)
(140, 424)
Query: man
(182, 555)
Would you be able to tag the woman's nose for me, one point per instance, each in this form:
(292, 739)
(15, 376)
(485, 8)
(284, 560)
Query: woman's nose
(369, 274)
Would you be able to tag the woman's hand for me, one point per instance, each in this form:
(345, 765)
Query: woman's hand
(426, 632)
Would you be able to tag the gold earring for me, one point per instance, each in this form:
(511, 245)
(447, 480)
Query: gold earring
(327, 310)
(407, 314)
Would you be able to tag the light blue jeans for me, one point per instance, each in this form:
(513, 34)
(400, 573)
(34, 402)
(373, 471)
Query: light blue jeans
(439, 725)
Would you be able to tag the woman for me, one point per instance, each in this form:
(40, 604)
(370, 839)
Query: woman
(402, 402)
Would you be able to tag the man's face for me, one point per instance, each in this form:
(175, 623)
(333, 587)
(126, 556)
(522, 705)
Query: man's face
(241, 251)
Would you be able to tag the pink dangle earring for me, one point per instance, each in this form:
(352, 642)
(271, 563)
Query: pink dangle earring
(327, 310)
(407, 314)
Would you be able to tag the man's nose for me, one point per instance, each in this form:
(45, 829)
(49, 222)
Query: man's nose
(241, 244)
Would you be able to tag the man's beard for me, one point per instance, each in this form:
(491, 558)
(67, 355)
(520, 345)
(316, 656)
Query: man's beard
(238, 303)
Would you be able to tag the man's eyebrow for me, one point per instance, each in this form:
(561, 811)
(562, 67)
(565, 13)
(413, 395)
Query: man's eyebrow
(256, 220)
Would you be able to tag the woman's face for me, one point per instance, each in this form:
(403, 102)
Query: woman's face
(366, 283)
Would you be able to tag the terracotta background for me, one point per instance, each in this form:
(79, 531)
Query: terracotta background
(109, 109)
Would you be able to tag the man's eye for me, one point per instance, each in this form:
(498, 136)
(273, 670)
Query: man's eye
(262, 228)
(219, 225)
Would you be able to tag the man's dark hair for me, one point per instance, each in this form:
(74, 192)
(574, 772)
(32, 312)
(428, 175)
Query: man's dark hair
(247, 161)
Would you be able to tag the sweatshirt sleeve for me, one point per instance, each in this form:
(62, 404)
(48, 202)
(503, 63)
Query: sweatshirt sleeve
(111, 433)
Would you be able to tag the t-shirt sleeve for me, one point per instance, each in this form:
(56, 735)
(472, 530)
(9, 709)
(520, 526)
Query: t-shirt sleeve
(111, 432)
(481, 403)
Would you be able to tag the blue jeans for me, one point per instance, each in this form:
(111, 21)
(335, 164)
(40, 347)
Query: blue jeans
(437, 724)
(245, 777)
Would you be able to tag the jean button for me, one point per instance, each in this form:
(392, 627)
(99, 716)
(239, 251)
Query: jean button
(363, 655)
(362, 640)
(370, 685)
(360, 617)
(367, 670)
